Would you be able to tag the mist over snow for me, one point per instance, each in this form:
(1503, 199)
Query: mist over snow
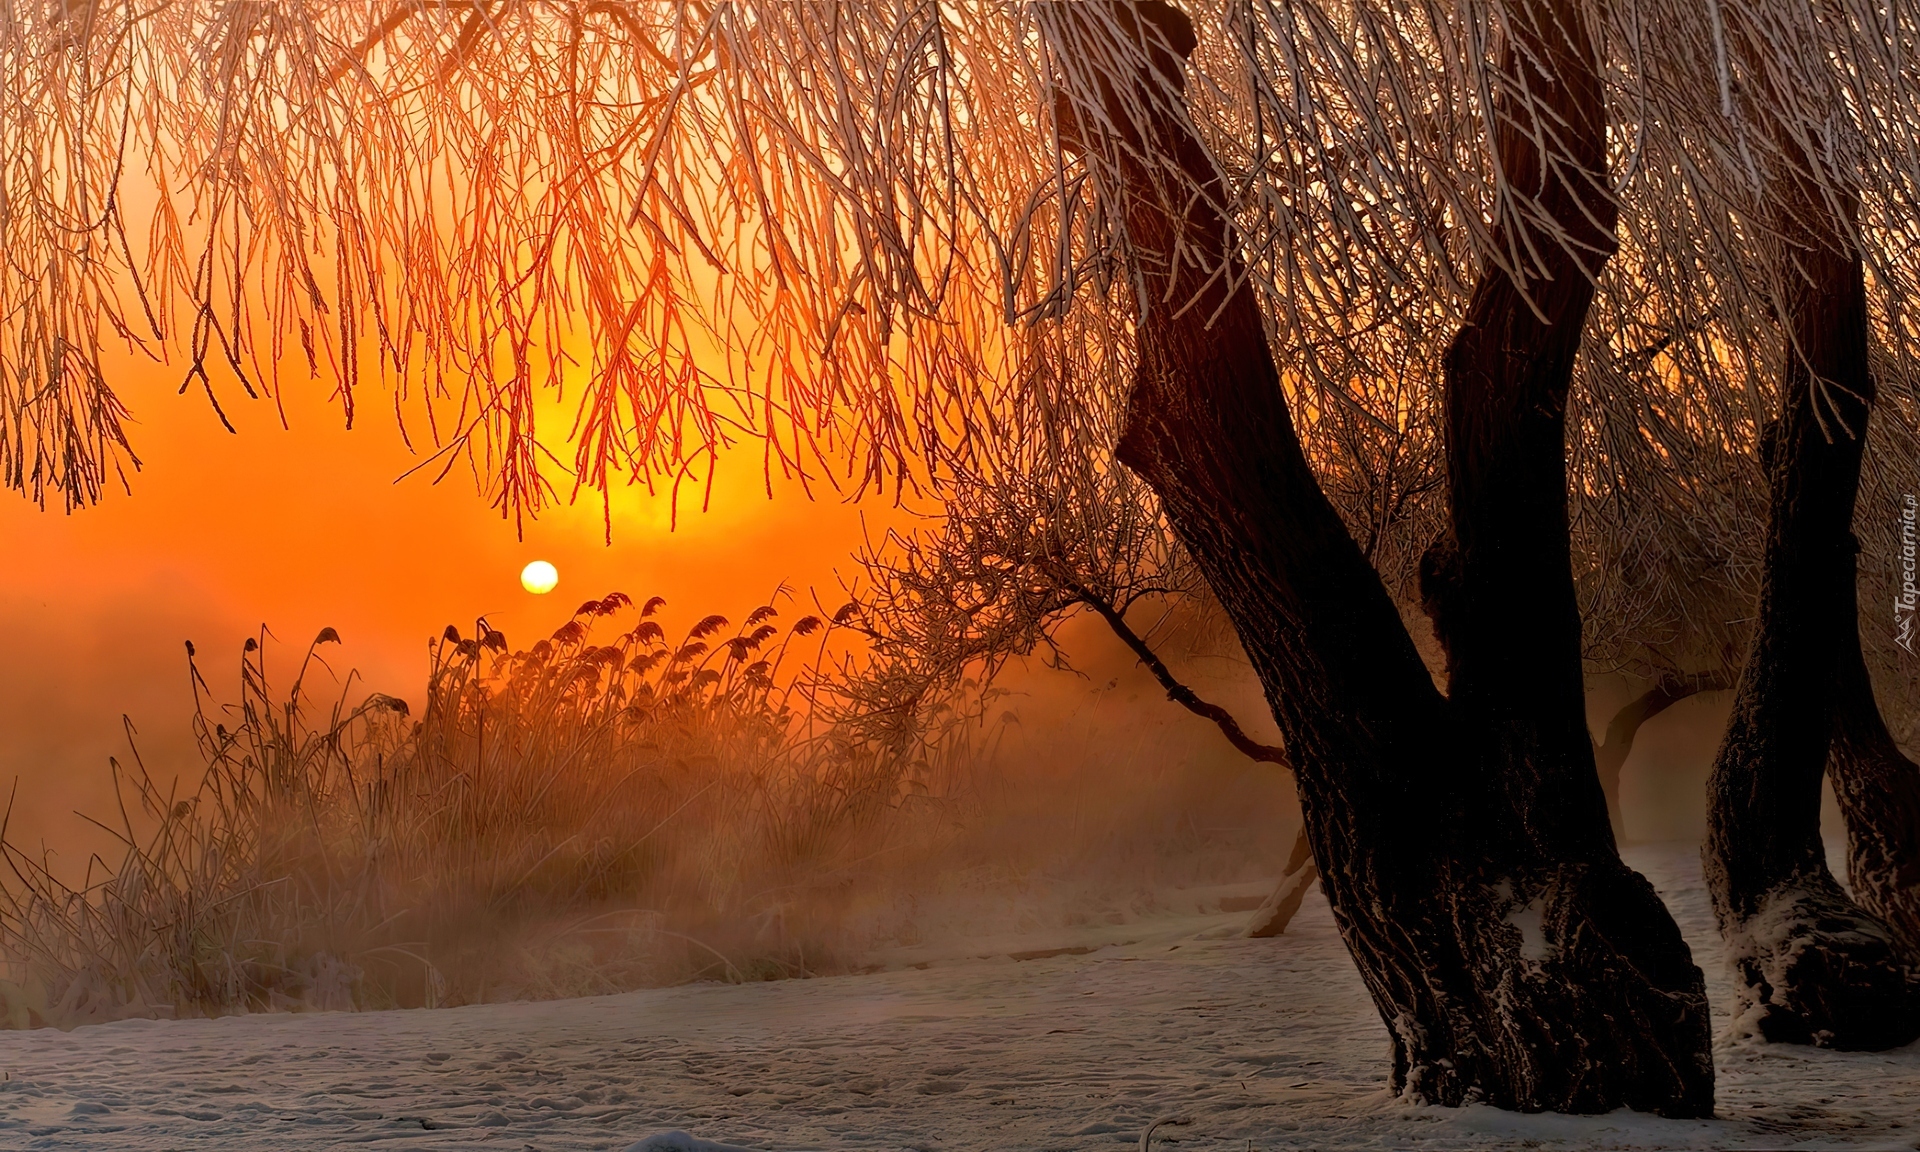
(1100, 1032)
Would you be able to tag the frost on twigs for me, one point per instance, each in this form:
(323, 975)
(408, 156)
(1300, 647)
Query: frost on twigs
(811, 223)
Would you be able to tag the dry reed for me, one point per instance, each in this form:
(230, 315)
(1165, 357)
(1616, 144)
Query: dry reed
(573, 818)
(616, 806)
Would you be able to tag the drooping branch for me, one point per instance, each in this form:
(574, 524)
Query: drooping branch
(353, 182)
(1176, 691)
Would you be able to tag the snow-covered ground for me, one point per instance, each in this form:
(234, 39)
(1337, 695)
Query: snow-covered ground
(1261, 1043)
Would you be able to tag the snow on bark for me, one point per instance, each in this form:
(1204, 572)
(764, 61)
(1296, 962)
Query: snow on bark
(1815, 967)
(1810, 967)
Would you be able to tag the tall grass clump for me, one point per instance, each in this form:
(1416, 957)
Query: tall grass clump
(593, 813)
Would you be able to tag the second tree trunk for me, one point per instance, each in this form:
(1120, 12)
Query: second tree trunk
(1465, 850)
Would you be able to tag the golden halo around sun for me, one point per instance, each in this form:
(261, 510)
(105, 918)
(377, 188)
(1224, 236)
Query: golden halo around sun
(539, 577)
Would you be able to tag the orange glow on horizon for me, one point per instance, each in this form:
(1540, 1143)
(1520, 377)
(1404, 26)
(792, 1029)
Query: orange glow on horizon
(307, 527)
(314, 524)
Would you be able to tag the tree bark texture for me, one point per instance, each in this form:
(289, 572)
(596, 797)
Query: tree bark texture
(1812, 966)
(1463, 846)
(1878, 789)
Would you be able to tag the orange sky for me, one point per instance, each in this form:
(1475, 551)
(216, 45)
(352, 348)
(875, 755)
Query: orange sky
(305, 528)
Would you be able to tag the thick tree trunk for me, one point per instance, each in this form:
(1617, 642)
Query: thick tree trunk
(1464, 849)
(1813, 966)
(1878, 790)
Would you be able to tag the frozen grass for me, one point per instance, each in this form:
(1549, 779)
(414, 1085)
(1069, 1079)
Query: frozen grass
(573, 818)
(595, 813)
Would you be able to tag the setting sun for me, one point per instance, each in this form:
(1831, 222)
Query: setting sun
(539, 577)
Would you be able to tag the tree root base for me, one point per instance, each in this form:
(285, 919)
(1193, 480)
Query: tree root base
(1814, 969)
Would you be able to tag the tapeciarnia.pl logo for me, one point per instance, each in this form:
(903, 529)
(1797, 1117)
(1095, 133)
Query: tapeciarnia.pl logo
(1903, 604)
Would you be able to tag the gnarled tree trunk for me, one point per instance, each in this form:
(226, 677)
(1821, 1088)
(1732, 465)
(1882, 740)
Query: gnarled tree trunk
(1813, 966)
(1463, 843)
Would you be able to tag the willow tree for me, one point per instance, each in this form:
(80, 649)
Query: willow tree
(829, 227)
(1783, 162)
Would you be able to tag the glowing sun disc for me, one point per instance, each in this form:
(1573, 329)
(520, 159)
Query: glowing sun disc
(539, 577)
